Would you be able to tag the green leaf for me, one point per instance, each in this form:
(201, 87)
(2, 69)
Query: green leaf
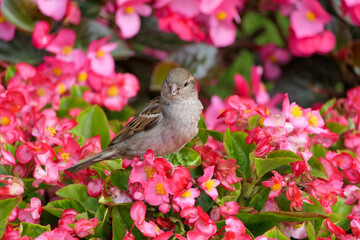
(90, 8)
(259, 199)
(275, 233)
(236, 148)
(7, 205)
(10, 72)
(29, 187)
(78, 91)
(92, 121)
(68, 103)
(274, 160)
(200, 59)
(326, 106)
(318, 150)
(120, 178)
(20, 49)
(310, 231)
(78, 192)
(344, 210)
(254, 121)
(187, 157)
(32, 230)
(253, 22)
(203, 135)
(205, 201)
(17, 13)
(216, 135)
(159, 74)
(317, 169)
(57, 207)
(336, 127)
(122, 221)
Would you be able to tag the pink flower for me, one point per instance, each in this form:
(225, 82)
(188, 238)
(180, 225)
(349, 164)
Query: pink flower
(13, 186)
(352, 8)
(40, 36)
(101, 61)
(229, 209)
(94, 187)
(204, 224)
(309, 19)
(31, 214)
(137, 212)
(208, 184)
(6, 158)
(155, 191)
(62, 43)
(55, 9)
(234, 225)
(50, 175)
(84, 227)
(57, 233)
(127, 16)
(73, 13)
(272, 57)
(276, 184)
(186, 198)
(7, 30)
(68, 217)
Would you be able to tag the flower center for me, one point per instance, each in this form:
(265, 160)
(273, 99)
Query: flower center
(310, 16)
(100, 53)
(149, 171)
(5, 121)
(82, 76)
(160, 189)
(129, 10)
(57, 71)
(186, 194)
(113, 91)
(276, 186)
(221, 15)
(65, 156)
(296, 111)
(313, 121)
(66, 50)
(41, 92)
(209, 185)
(2, 19)
(272, 58)
(51, 130)
(61, 88)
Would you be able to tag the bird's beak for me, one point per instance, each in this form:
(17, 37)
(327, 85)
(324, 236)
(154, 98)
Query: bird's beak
(174, 89)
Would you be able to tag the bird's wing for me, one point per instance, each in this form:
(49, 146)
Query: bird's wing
(146, 119)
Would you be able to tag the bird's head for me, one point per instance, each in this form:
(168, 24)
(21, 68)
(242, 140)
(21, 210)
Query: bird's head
(179, 85)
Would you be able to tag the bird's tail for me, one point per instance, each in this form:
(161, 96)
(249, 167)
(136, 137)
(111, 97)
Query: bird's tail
(104, 155)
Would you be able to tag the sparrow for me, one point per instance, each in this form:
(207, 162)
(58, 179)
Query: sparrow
(165, 124)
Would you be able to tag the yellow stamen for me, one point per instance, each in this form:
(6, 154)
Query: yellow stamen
(66, 50)
(51, 130)
(100, 53)
(5, 121)
(160, 189)
(149, 171)
(129, 10)
(313, 121)
(65, 156)
(221, 15)
(57, 71)
(310, 16)
(113, 91)
(41, 92)
(276, 186)
(82, 76)
(2, 19)
(186, 194)
(298, 225)
(209, 185)
(61, 88)
(296, 111)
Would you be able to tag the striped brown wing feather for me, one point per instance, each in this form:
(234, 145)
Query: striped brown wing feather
(149, 116)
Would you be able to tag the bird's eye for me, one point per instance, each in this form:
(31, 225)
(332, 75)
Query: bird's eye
(186, 83)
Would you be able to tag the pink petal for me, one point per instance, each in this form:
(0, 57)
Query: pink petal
(303, 27)
(53, 8)
(222, 34)
(207, 6)
(143, 10)
(7, 31)
(327, 42)
(129, 24)
(191, 10)
(103, 66)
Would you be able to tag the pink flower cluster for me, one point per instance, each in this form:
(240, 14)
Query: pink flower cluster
(352, 8)
(201, 20)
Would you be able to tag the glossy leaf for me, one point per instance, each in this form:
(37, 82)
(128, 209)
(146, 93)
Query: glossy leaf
(10, 72)
(187, 157)
(159, 74)
(310, 231)
(203, 135)
(57, 207)
(120, 178)
(336, 127)
(236, 148)
(7, 205)
(32, 230)
(343, 210)
(121, 221)
(92, 121)
(78, 192)
(318, 150)
(275, 233)
(326, 106)
(68, 103)
(19, 13)
(273, 160)
(259, 199)
(317, 169)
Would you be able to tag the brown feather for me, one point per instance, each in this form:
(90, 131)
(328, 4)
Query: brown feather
(143, 121)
